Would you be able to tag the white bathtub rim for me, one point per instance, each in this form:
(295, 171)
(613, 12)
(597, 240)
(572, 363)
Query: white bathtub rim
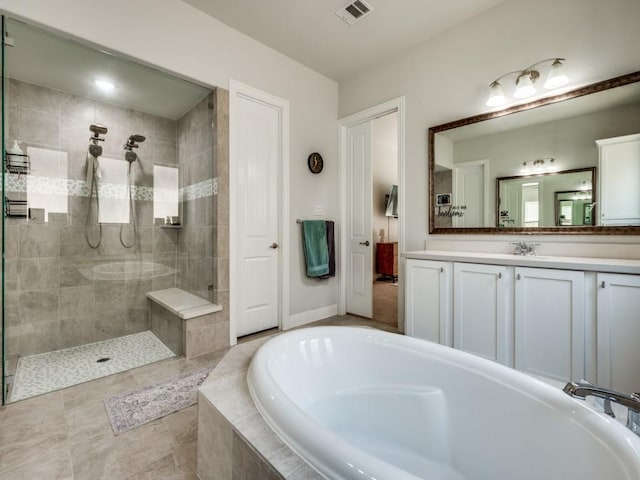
(618, 440)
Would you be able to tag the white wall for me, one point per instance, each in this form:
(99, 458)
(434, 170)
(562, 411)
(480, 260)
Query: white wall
(447, 78)
(175, 37)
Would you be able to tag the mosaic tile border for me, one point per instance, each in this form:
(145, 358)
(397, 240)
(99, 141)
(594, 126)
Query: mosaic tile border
(16, 183)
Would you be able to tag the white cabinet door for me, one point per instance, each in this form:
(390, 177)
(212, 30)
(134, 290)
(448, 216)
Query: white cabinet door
(549, 323)
(619, 178)
(618, 332)
(428, 300)
(480, 322)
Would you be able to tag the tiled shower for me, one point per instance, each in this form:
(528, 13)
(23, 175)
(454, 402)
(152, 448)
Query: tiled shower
(59, 291)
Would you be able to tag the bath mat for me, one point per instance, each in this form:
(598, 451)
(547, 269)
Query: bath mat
(132, 409)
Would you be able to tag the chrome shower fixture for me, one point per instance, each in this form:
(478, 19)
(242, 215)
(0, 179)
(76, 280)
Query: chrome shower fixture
(95, 149)
(97, 131)
(130, 155)
(133, 139)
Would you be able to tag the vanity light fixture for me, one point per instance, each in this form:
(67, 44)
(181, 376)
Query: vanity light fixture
(526, 80)
(539, 165)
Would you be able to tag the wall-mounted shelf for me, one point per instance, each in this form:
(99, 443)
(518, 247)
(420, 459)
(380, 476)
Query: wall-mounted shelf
(15, 208)
(17, 163)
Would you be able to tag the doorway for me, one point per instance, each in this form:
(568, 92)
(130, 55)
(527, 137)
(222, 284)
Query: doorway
(372, 165)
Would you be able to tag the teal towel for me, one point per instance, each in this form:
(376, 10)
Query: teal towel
(316, 251)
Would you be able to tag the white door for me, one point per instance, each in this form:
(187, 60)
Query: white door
(480, 324)
(618, 332)
(359, 208)
(469, 194)
(258, 153)
(428, 300)
(550, 323)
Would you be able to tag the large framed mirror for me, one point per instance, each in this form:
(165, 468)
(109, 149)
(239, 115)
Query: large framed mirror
(567, 164)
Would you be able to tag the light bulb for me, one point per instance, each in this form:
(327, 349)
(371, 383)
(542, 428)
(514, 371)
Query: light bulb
(496, 96)
(524, 86)
(556, 77)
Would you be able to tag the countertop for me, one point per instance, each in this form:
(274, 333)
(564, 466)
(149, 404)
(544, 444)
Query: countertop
(609, 265)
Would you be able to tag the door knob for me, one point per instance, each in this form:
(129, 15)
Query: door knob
(366, 244)
(274, 245)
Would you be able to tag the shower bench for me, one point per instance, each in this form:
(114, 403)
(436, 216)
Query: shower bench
(187, 324)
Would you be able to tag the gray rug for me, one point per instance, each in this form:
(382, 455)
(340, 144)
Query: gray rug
(132, 409)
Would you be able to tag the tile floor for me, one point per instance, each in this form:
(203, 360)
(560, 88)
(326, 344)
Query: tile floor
(47, 372)
(65, 435)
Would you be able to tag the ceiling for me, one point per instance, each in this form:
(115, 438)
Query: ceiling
(309, 31)
(42, 58)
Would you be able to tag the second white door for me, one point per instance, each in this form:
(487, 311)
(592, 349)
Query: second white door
(258, 147)
(359, 246)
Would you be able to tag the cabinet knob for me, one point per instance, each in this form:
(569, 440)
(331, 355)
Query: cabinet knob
(518, 277)
(499, 274)
(602, 285)
(441, 269)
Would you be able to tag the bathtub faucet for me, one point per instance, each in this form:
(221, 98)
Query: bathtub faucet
(631, 401)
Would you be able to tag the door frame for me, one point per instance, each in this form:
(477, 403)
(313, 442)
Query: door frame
(367, 115)
(240, 90)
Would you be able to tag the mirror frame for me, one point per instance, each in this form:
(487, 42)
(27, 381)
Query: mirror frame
(565, 230)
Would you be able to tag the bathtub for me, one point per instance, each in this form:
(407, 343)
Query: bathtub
(358, 403)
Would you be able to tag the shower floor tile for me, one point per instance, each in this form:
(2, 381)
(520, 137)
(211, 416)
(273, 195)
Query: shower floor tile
(46, 372)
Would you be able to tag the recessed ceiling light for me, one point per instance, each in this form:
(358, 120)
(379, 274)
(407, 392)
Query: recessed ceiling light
(105, 85)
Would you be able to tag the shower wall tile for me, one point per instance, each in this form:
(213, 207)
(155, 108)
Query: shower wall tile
(108, 294)
(38, 128)
(76, 331)
(136, 293)
(14, 93)
(38, 273)
(39, 241)
(74, 133)
(73, 107)
(137, 320)
(12, 127)
(76, 301)
(165, 151)
(40, 99)
(38, 306)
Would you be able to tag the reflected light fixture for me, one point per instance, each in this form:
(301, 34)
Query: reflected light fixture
(526, 80)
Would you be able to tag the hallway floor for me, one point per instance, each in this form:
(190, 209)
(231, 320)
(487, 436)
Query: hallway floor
(66, 435)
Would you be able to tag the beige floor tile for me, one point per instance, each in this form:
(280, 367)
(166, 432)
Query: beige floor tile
(55, 466)
(159, 371)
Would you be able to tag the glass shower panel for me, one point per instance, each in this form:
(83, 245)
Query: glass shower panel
(4, 128)
(81, 242)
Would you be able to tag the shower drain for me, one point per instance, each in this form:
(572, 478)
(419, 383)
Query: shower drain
(103, 359)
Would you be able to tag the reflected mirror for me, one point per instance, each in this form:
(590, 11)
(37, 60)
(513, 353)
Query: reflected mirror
(545, 200)
(518, 169)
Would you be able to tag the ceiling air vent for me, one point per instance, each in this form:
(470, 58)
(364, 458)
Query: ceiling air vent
(352, 12)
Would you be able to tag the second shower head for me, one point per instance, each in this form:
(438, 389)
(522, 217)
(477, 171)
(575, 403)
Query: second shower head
(133, 140)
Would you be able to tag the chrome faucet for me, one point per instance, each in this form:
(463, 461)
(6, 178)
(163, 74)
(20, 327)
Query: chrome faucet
(524, 248)
(584, 389)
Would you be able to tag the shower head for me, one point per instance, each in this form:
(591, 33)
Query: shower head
(131, 143)
(98, 130)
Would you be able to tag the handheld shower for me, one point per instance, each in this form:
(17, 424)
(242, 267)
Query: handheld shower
(130, 155)
(95, 149)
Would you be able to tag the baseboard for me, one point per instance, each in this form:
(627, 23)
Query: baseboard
(311, 316)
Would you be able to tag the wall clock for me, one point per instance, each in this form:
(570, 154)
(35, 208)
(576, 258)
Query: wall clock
(315, 162)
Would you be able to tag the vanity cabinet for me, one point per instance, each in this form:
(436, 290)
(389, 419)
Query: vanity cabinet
(480, 313)
(618, 332)
(619, 180)
(550, 323)
(428, 298)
